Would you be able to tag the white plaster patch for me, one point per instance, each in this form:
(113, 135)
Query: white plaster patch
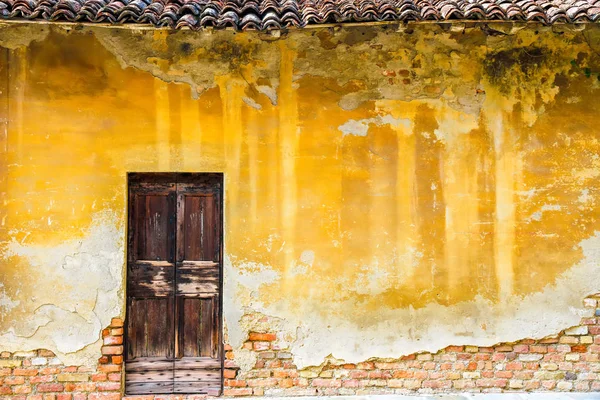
(585, 196)
(252, 103)
(308, 257)
(361, 127)
(537, 216)
(82, 291)
(6, 303)
(268, 91)
(397, 332)
(241, 281)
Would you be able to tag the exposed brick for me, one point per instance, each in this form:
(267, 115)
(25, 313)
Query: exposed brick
(238, 392)
(579, 349)
(112, 340)
(234, 383)
(98, 377)
(25, 372)
(50, 387)
(14, 380)
(116, 359)
(72, 377)
(41, 379)
(109, 368)
(116, 332)
(104, 396)
(326, 383)
(261, 337)
(229, 373)
(116, 323)
(108, 386)
(112, 350)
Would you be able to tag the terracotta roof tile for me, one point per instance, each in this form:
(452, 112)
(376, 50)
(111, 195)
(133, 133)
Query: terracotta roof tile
(276, 14)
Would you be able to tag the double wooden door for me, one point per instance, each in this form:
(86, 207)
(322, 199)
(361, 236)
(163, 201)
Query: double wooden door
(174, 274)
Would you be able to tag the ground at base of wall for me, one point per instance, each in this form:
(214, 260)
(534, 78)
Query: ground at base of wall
(459, 396)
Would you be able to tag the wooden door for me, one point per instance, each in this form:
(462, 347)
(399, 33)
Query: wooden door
(174, 275)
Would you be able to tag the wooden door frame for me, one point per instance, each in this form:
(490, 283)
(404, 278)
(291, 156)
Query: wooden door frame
(202, 178)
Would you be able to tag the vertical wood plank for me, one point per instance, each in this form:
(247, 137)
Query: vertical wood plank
(191, 327)
(159, 327)
(136, 328)
(206, 327)
(208, 245)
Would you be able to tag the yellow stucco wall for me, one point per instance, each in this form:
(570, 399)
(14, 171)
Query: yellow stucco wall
(385, 192)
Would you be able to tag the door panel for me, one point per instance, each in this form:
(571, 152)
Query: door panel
(150, 328)
(154, 226)
(174, 342)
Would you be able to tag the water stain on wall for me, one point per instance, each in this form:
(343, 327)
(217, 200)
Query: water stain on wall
(383, 196)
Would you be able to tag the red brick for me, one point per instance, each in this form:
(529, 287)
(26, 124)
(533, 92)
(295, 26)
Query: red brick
(99, 377)
(358, 374)
(261, 337)
(50, 387)
(286, 383)
(41, 379)
(45, 353)
(238, 392)
(25, 372)
(14, 380)
(82, 387)
(23, 389)
(262, 382)
(112, 350)
(111, 340)
(103, 360)
(117, 360)
(49, 371)
(326, 383)
(229, 373)
(521, 348)
(437, 384)
(108, 386)
(259, 346)
(104, 396)
(5, 390)
(114, 377)
(365, 365)
(79, 396)
(403, 374)
(514, 366)
(234, 383)
(116, 331)
(116, 323)
(64, 396)
(538, 349)
(579, 348)
(5, 371)
(109, 368)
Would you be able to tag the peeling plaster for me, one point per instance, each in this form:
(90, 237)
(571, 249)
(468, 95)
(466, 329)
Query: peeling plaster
(361, 127)
(405, 331)
(69, 320)
(463, 118)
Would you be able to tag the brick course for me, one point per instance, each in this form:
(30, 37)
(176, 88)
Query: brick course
(567, 362)
(39, 375)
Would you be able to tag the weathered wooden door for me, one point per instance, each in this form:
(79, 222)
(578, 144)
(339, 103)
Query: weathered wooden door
(174, 276)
